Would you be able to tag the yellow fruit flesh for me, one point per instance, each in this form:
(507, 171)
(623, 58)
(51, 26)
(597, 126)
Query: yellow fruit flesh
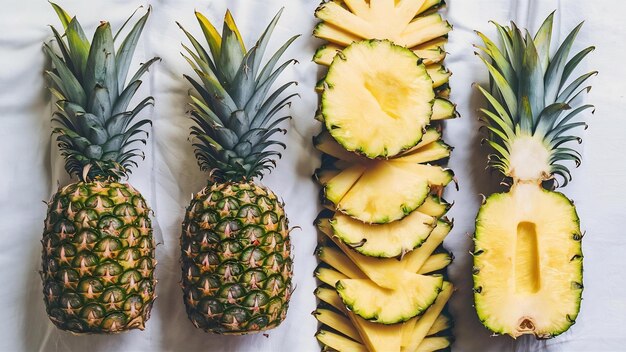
(339, 342)
(431, 52)
(529, 262)
(435, 262)
(384, 272)
(429, 153)
(416, 330)
(439, 75)
(340, 262)
(338, 322)
(390, 190)
(329, 276)
(377, 337)
(416, 259)
(381, 86)
(339, 185)
(385, 240)
(382, 19)
(370, 301)
(430, 344)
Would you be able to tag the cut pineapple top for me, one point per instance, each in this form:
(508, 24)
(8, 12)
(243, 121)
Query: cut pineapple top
(378, 98)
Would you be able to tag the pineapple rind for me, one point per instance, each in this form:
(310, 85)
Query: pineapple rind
(236, 259)
(98, 258)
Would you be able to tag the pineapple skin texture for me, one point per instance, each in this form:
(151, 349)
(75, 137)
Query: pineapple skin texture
(98, 258)
(236, 259)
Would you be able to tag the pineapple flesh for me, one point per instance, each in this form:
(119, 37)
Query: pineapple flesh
(383, 267)
(98, 255)
(383, 86)
(528, 254)
(235, 245)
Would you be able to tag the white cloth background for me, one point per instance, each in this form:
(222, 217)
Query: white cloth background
(30, 170)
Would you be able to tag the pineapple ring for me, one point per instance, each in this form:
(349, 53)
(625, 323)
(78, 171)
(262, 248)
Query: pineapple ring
(378, 98)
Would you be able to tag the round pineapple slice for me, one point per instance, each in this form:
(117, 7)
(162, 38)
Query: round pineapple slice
(378, 98)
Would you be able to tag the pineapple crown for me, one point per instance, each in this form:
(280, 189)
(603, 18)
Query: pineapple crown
(233, 106)
(532, 102)
(97, 127)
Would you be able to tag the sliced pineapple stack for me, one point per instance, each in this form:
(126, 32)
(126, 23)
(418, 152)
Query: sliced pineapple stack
(383, 265)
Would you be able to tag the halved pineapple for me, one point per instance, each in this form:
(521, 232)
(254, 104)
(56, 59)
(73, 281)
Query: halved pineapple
(527, 262)
(386, 240)
(383, 87)
(385, 306)
(338, 342)
(338, 322)
(379, 20)
(415, 330)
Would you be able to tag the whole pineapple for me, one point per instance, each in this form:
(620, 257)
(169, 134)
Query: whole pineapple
(236, 251)
(98, 249)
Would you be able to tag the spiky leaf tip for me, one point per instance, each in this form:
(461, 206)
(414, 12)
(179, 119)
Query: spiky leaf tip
(236, 112)
(96, 128)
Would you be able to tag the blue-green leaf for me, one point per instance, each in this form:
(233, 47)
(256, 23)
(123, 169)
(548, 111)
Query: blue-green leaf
(78, 45)
(101, 62)
(556, 69)
(127, 49)
(74, 90)
(269, 66)
(542, 42)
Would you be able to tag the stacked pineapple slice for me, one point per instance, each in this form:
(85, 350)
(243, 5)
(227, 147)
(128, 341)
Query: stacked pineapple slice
(383, 266)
